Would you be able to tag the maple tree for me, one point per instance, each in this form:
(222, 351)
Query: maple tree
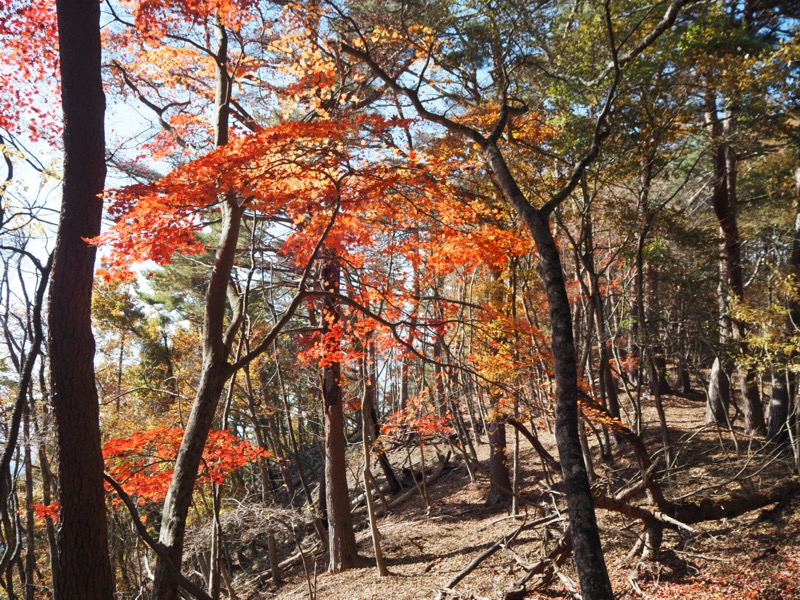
(142, 463)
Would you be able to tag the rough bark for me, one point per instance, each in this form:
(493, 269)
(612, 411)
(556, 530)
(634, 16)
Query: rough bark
(583, 524)
(341, 536)
(84, 567)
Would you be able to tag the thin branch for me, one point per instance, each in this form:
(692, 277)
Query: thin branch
(667, 21)
(413, 96)
(293, 306)
(26, 375)
(156, 547)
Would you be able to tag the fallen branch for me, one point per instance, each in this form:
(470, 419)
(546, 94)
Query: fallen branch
(557, 556)
(410, 492)
(297, 558)
(503, 543)
(732, 505)
(537, 445)
(507, 539)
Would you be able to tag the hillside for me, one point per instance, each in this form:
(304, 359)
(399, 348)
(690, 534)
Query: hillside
(755, 556)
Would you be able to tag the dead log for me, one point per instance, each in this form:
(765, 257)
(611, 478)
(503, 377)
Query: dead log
(732, 505)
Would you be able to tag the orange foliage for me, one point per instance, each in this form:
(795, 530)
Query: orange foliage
(29, 69)
(142, 463)
(296, 169)
(154, 16)
(45, 511)
(418, 418)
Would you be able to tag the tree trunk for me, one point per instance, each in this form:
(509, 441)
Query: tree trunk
(341, 536)
(271, 406)
(647, 349)
(607, 385)
(719, 393)
(499, 476)
(84, 569)
(214, 550)
(47, 485)
(779, 408)
(782, 379)
(372, 427)
(751, 393)
(213, 376)
(589, 559)
(731, 277)
(367, 405)
(30, 547)
(214, 371)
(719, 381)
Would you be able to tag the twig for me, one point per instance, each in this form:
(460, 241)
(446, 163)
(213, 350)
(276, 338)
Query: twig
(637, 589)
(702, 556)
(572, 589)
(554, 557)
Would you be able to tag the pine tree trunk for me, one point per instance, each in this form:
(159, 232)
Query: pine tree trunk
(84, 566)
(731, 277)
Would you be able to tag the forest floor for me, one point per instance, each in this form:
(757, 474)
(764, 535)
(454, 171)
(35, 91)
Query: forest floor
(755, 556)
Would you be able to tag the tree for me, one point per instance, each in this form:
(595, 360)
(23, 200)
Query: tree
(217, 341)
(341, 536)
(83, 560)
(588, 552)
(730, 105)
